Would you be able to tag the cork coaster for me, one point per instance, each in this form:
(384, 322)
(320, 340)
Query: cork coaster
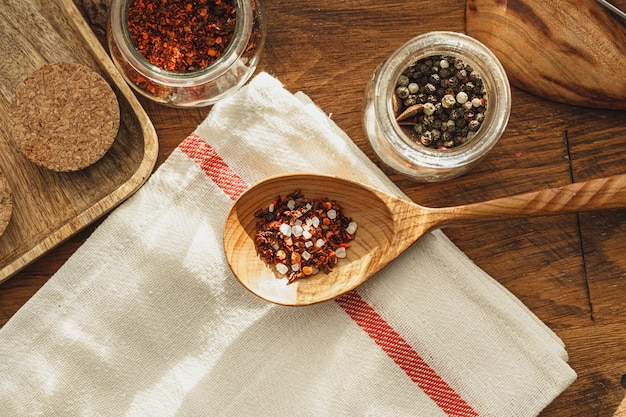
(65, 116)
(6, 203)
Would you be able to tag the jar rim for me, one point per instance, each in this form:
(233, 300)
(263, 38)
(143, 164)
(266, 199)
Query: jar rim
(496, 85)
(236, 47)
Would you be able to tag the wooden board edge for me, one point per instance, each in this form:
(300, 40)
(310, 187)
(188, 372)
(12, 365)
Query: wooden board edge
(125, 190)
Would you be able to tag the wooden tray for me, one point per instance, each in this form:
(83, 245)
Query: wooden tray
(49, 207)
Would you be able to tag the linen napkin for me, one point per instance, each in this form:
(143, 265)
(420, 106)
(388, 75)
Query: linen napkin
(146, 319)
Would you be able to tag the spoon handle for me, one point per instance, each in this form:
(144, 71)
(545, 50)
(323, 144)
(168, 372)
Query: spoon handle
(598, 194)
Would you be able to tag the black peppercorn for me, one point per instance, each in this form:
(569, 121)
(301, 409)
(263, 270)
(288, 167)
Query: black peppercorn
(454, 114)
(410, 100)
(453, 99)
(402, 92)
(474, 125)
(426, 138)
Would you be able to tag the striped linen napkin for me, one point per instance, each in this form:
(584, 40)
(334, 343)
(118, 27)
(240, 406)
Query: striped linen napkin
(146, 319)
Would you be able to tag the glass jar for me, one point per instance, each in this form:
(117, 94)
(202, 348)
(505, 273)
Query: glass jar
(194, 88)
(392, 143)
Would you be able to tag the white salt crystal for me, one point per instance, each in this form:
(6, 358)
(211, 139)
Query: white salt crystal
(351, 228)
(285, 229)
(316, 221)
(282, 269)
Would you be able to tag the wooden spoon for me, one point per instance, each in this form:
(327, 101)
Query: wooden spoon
(569, 51)
(387, 226)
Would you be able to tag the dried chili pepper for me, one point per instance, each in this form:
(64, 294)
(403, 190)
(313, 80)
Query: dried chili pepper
(302, 237)
(181, 35)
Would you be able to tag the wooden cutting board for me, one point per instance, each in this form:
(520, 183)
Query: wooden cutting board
(570, 51)
(49, 207)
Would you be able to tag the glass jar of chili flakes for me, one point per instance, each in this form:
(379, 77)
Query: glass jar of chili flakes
(436, 106)
(186, 53)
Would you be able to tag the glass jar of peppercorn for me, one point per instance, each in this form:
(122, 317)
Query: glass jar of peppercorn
(436, 106)
(186, 53)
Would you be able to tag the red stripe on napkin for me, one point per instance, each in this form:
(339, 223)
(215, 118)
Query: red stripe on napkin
(214, 166)
(404, 355)
(358, 309)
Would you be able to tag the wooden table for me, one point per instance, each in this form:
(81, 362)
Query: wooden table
(570, 270)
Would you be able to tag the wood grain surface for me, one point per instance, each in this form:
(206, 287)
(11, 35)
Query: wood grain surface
(6, 203)
(570, 270)
(571, 51)
(49, 206)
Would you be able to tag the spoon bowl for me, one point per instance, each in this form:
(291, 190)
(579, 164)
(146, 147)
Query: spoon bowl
(387, 226)
(366, 255)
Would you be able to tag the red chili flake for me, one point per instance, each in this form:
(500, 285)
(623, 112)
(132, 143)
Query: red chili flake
(302, 237)
(181, 35)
